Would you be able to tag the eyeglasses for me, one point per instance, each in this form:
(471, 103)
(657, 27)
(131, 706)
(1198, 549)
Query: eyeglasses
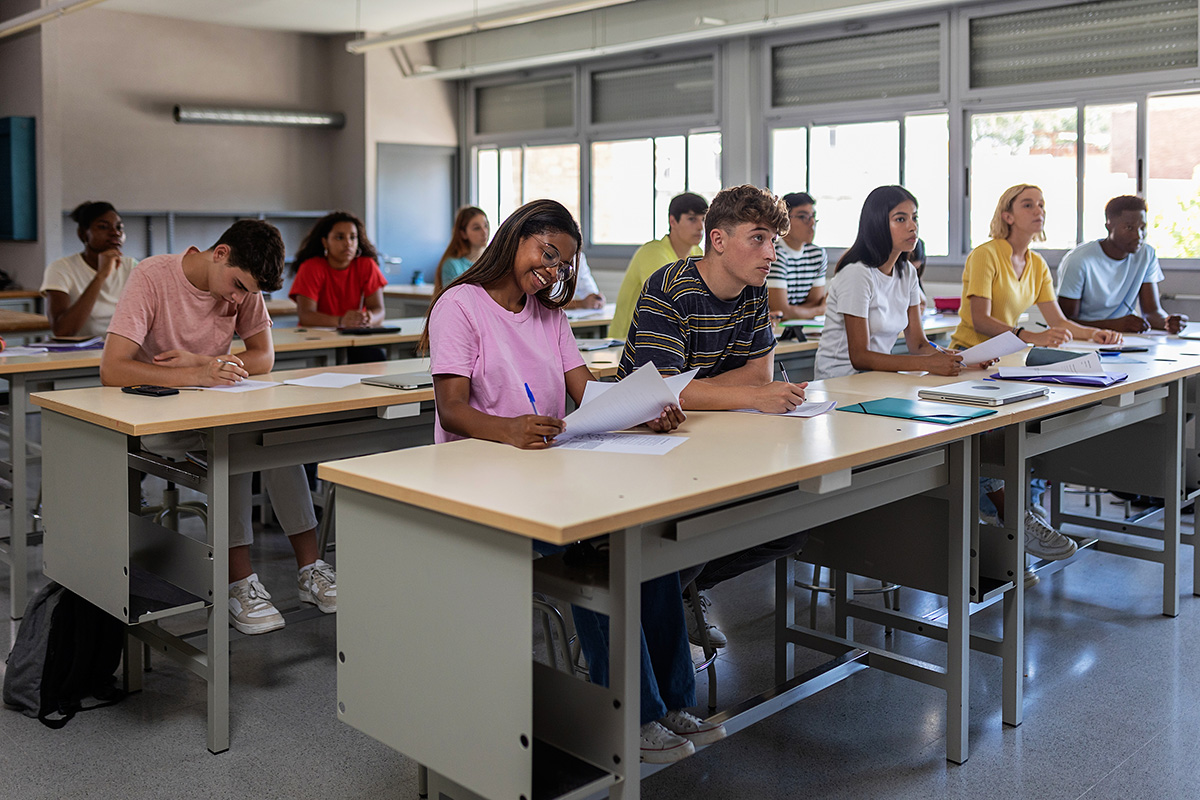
(806, 218)
(552, 259)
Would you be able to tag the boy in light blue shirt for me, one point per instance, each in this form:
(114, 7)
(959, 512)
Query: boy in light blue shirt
(1103, 283)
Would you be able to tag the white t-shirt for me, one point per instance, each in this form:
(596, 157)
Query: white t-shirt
(71, 275)
(882, 300)
(1106, 289)
(585, 284)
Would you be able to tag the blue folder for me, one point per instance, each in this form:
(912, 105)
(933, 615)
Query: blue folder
(917, 410)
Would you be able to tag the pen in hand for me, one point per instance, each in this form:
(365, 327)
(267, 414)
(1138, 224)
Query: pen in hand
(783, 371)
(533, 405)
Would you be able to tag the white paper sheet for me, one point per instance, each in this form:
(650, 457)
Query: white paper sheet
(586, 345)
(807, 409)
(633, 443)
(995, 347)
(1084, 365)
(247, 385)
(327, 380)
(23, 350)
(574, 314)
(676, 383)
(639, 398)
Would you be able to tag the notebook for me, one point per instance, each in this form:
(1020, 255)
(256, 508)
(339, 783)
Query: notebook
(982, 393)
(404, 380)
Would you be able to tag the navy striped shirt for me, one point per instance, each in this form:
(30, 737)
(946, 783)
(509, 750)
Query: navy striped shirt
(680, 325)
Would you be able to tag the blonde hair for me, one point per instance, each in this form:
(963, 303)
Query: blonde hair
(1000, 229)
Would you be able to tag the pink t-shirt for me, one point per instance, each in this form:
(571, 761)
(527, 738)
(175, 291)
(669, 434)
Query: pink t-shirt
(161, 310)
(470, 334)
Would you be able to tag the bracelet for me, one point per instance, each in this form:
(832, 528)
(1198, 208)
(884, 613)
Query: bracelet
(1017, 331)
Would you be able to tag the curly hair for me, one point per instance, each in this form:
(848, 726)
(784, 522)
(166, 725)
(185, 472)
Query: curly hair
(745, 203)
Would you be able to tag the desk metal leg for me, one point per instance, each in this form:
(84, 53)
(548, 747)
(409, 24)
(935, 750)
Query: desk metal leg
(785, 619)
(1016, 487)
(18, 405)
(958, 621)
(1172, 494)
(625, 654)
(218, 613)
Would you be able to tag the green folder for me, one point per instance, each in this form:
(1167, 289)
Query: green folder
(918, 410)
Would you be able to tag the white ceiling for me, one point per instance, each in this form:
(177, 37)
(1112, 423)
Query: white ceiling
(321, 16)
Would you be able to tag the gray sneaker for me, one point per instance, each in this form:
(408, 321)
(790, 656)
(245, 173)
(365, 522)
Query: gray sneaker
(250, 607)
(1042, 541)
(660, 746)
(715, 637)
(317, 585)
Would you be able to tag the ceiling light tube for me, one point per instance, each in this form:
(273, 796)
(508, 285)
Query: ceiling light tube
(212, 115)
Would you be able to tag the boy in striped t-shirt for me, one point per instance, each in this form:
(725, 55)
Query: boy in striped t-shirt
(796, 282)
(711, 314)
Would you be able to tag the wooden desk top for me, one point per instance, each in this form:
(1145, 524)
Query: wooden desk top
(22, 321)
(282, 307)
(409, 291)
(137, 415)
(604, 363)
(19, 294)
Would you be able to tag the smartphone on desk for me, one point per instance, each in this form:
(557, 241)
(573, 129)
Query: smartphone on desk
(1131, 348)
(150, 391)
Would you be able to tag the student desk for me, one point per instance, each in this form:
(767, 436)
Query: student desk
(22, 322)
(22, 300)
(793, 355)
(246, 432)
(469, 509)
(406, 299)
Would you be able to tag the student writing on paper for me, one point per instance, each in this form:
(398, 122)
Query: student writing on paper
(711, 314)
(469, 236)
(81, 290)
(499, 342)
(1004, 277)
(874, 295)
(173, 327)
(1104, 283)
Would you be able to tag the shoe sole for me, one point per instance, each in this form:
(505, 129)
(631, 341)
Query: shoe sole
(715, 645)
(256, 628)
(325, 609)
(701, 738)
(1052, 556)
(669, 756)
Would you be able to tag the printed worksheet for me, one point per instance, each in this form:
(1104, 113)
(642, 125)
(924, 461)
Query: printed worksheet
(811, 408)
(327, 380)
(640, 397)
(248, 385)
(632, 443)
(1084, 365)
(676, 383)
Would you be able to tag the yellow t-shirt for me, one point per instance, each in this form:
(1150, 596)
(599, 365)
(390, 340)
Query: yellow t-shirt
(989, 273)
(649, 258)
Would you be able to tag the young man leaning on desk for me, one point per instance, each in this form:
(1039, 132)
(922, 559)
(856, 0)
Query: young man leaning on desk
(711, 314)
(173, 327)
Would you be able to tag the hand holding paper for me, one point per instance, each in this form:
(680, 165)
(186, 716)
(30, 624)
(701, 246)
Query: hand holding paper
(639, 397)
(994, 348)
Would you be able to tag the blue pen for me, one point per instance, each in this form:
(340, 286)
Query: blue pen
(533, 404)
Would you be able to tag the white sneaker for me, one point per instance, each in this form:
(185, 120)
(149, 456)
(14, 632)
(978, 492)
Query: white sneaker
(660, 746)
(697, 731)
(317, 585)
(250, 607)
(1042, 541)
(715, 637)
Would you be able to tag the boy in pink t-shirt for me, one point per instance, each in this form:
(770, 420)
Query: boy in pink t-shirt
(174, 326)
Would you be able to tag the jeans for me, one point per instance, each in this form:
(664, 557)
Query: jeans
(721, 569)
(1037, 489)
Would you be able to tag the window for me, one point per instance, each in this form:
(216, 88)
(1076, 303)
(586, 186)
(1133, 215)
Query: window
(509, 177)
(654, 91)
(633, 181)
(1109, 161)
(927, 176)
(1036, 147)
(527, 106)
(1173, 172)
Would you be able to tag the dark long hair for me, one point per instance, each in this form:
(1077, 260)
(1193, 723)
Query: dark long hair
(873, 246)
(312, 245)
(497, 260)
(458, 246)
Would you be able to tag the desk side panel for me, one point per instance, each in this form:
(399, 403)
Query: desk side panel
(435, 641)
(85, 474)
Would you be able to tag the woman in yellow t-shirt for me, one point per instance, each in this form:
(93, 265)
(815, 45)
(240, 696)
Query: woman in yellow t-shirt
(1003, 278)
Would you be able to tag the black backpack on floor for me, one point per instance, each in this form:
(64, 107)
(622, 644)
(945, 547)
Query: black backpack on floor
(66, 651)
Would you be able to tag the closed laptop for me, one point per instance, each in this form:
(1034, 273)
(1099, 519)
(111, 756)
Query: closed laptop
(982, 393)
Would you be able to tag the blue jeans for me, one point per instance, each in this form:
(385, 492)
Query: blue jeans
(1037, 488)
(668, 677)
(721, 569)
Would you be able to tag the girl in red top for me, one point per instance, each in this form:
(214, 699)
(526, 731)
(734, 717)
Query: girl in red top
(338, 281)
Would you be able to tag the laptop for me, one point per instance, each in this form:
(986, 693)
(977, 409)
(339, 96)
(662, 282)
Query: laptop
(983, 393)
(405, 380)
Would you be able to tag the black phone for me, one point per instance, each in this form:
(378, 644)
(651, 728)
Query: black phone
(150, 391)
(1133, 348)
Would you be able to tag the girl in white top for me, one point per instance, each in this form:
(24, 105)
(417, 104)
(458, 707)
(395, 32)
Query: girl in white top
(874, 295)
(82, 290)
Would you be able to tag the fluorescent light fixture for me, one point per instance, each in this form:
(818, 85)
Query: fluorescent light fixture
(208, 115)
(35, 18)
(464, 25)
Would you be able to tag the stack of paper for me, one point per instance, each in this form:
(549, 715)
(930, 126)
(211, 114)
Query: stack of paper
(639, 398)
(1083, 371)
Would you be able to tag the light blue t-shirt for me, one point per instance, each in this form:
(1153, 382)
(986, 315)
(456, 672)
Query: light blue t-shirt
(454, 267)
(1106, 289)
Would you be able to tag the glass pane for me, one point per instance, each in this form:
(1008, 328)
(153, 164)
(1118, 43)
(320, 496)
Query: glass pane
(670, 178)
(487, 189)
(704, 164)
(789, 160)
(1036, 147)
(848, 161)
(1109, 161)
(927, 175)
(622, 191)
(553, 171)
(1173, 187)
(510, 184)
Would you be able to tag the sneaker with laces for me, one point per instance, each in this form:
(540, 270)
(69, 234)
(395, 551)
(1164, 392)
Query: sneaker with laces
(697, 731)
(715, 637)
(250, 607)
(660, 746)
(317, 585)
(1042, 541)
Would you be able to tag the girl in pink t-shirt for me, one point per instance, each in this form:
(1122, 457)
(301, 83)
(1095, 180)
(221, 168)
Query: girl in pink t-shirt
(499, 328)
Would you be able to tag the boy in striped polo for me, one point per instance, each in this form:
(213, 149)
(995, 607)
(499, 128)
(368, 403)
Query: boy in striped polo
(711, 314)
(796, 283)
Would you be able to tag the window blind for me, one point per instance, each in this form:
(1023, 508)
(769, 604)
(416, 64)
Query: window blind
(1110, 37)
(654, 91)
(862, 67)
(527, 106)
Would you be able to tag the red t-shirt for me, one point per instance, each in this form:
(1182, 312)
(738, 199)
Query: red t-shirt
(337, 290)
